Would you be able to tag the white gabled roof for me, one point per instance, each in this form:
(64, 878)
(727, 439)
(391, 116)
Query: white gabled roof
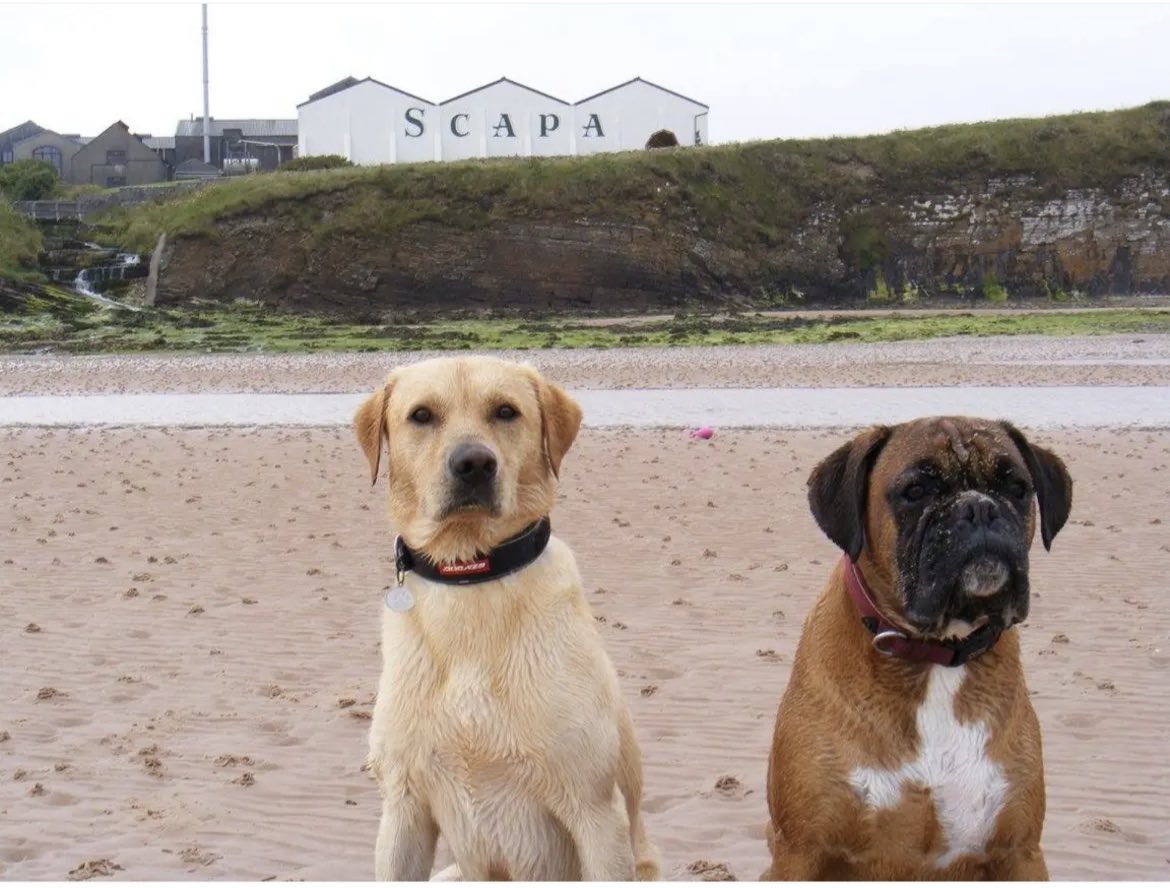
(647, 83)
(350, 83)
(496, 82)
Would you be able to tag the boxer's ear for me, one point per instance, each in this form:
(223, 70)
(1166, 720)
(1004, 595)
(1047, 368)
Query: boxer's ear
(1052, 482)
(838, 487)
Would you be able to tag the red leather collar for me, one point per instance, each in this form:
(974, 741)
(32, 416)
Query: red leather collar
(893, 641)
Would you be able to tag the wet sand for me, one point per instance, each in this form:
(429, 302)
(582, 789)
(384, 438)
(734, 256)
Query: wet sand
(1039, 407)
(190, 622)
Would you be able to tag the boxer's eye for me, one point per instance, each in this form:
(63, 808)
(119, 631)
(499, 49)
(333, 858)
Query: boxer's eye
(1018, 489)
(914, 493)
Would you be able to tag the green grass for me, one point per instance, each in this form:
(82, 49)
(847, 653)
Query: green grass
(20, 242)
(60, 321)
(993, 291)
(754, 194)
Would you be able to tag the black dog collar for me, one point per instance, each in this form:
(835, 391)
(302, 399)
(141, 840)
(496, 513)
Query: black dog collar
(508, 557)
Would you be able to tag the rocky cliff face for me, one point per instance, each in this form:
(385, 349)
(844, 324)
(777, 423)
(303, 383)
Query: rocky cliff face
(540, 265)
(1014, 233)
(1030, 241)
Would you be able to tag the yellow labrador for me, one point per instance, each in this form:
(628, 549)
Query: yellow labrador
(499, 721)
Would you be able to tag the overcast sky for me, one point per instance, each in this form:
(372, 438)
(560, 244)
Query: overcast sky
(766, 70)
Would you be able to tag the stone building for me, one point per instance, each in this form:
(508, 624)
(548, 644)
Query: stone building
(18, 133)
(50, 147)
(116, 158)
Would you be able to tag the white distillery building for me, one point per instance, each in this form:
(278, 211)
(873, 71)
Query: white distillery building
(504, 119)
(370, 122)
(624, 117)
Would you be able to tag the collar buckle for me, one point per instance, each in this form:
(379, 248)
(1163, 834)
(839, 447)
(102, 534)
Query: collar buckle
(886, 641)
(402, 560)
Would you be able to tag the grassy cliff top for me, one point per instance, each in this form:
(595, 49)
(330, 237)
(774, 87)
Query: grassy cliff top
(758, 191)
(20, 242)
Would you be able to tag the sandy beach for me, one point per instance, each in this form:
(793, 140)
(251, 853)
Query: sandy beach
(190, 622)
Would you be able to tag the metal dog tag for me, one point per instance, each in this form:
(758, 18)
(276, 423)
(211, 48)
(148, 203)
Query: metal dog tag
(399, 599)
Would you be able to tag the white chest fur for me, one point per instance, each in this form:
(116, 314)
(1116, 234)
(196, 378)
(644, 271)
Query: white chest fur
(968, 788)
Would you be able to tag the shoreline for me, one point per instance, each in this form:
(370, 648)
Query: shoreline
(792, 408)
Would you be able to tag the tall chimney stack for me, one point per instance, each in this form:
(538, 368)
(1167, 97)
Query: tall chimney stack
(206, 102)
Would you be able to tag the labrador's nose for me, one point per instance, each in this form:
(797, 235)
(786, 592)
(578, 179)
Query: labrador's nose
(472, 464)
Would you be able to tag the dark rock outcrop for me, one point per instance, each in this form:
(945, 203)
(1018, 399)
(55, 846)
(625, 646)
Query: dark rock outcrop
(1012, 232)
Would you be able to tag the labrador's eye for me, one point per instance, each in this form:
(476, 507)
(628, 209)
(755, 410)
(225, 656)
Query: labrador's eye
(421, 416)
(506, 412)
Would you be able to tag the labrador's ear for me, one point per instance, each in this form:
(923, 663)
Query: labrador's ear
(560, 420)
(1054, 486)
(839, 485)
(369, 423)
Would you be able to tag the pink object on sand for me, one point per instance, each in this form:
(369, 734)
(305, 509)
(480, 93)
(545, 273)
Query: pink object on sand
(705, 432)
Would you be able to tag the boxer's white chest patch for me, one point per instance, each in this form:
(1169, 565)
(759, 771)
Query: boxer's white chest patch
(967, 786)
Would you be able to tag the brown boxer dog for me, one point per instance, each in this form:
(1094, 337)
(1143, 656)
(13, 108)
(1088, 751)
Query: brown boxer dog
(905, 745)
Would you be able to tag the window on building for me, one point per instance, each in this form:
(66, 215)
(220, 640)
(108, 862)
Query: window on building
(49, 154)
(6, 156)
(114, 158)
(115, 181)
